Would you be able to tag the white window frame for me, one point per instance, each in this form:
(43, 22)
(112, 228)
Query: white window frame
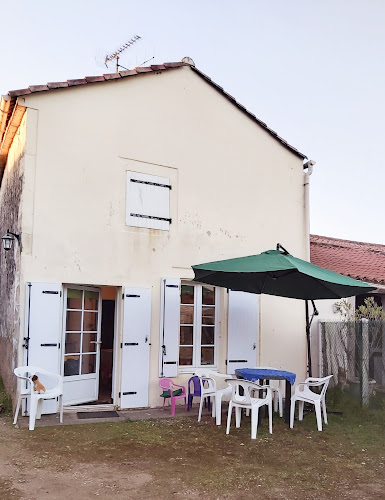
(197, 329)
(148, 196)
(64, 329)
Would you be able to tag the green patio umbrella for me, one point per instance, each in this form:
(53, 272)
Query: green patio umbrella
(276, 272)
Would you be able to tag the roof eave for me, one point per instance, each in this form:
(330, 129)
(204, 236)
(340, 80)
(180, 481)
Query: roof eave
(249, 114)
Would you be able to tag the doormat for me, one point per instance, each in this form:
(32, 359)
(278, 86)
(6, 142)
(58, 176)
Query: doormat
(97, 414)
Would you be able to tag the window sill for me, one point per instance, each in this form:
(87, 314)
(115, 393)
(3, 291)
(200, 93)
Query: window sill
(191, 369)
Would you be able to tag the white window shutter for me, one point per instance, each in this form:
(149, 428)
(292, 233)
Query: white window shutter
(135, 347)
(43, 315)
(169, 327)
(242, 331)
(148, 201)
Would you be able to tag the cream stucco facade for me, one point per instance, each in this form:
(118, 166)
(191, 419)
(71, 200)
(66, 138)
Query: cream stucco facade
(236, 191)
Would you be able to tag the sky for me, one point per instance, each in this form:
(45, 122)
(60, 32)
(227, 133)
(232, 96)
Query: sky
(312, 70)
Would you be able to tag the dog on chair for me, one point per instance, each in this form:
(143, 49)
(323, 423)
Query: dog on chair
(37, 385)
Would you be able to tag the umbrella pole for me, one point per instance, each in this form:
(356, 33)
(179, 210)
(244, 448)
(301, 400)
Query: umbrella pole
(309, 368)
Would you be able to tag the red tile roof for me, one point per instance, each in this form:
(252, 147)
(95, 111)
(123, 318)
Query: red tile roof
(363, 261)
(153, 68)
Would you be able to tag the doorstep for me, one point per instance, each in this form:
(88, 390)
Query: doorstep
(70, 416)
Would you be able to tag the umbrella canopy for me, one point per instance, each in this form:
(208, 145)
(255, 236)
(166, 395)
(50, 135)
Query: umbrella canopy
(276, 272)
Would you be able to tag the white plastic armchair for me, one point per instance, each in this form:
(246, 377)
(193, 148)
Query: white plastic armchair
(54, 389)
(303, 394)
(277, 392)
(209, 389)
(245, 400)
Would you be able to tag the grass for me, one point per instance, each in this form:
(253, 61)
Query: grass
(346, 459)
(349, 453)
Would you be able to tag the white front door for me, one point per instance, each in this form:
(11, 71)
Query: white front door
(135, 347)
(42, 330)
(81, 344)
(242, 331)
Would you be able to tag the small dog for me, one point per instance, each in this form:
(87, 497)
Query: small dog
(37, 385)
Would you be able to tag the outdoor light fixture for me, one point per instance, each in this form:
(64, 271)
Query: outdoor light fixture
(8, 239)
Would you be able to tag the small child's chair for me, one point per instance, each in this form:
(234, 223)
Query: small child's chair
(172, 391)
(194, 390)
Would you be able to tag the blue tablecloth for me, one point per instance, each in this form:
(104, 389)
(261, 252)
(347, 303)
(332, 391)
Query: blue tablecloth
(254, 374)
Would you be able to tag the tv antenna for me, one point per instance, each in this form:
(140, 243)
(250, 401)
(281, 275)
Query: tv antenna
(115, 55)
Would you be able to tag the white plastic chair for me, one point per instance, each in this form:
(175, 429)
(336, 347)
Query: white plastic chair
(250, 403)
(209, 389)
(304, 394)
(54, 389)
(277, 392)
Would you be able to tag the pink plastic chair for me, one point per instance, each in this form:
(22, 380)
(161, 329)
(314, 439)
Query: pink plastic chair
(172, 391)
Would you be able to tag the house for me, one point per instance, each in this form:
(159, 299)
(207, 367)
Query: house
(358, 260)
(117, 184)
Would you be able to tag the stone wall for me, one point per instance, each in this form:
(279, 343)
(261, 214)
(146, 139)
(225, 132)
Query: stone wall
(10, 218)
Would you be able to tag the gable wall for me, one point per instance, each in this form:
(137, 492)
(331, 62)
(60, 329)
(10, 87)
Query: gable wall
(236, 191)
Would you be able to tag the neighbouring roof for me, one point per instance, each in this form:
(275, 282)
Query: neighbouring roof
(363, 261)
(14, 94)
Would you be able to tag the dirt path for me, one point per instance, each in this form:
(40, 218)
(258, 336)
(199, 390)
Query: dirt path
(26, 477)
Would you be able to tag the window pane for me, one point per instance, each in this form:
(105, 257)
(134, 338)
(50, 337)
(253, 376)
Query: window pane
(90, 321)
(208, 295)
(87, 345)
(187, 315)
(207, 335)
(88, 363)
(72, 342)
(91, 300)
(186, 335)
(74, 299)
(207, 356)
(74, 319)
(187, 294)
(185, 356)
(208, 315)
(71, 365)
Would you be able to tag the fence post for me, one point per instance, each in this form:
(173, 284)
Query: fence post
(364, 362)
(382, 381)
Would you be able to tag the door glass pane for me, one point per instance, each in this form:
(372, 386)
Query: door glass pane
(90, 322)
(187, 315)
(185, 356)
(72, 342)
(187, 294)
(186, 335)
(74, 299)
(207, 356)
(88, 363)
(207, 335)
(71, 365)
(208, 295)
(74, 319)
(91, 300)
(208, 315)
(89, 342)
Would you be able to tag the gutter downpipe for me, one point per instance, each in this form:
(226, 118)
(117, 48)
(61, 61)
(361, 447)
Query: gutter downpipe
(309, 166)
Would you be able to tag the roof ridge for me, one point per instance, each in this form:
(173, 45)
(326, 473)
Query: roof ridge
(330, 238)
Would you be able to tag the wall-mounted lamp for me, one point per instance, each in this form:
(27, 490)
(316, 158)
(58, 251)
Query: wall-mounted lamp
(336, 308)
(8, 239)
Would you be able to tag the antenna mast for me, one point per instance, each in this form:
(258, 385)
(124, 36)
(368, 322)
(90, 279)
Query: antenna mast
(116, 54)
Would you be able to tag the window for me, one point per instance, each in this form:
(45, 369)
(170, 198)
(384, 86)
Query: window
(148, 201)
(198, 326)
(81, 331)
